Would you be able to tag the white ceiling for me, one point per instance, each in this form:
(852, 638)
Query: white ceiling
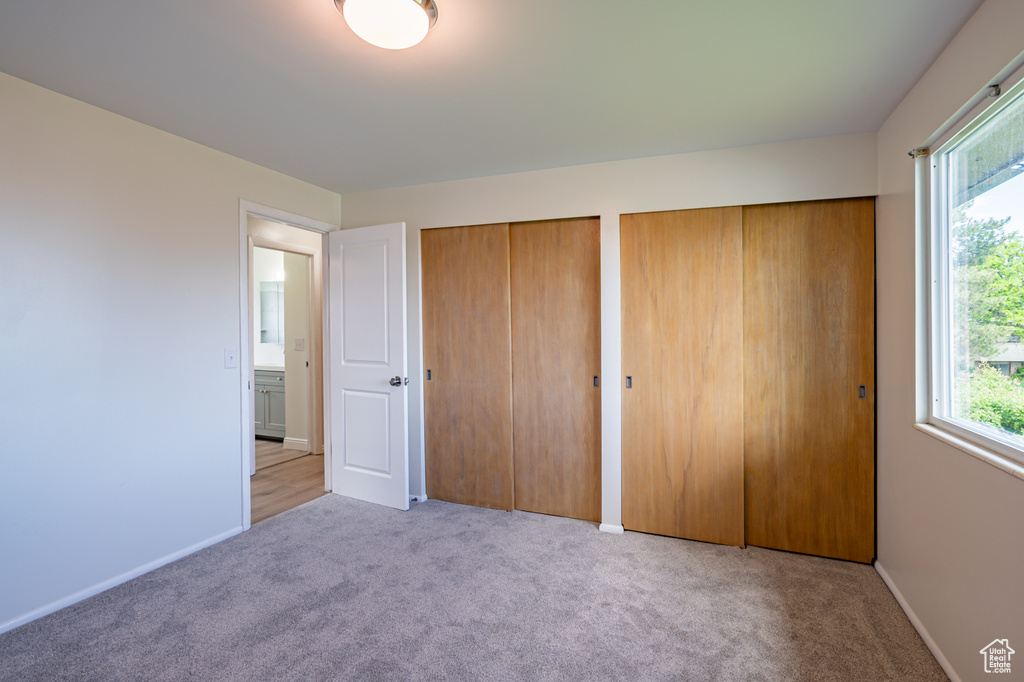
(496, 87)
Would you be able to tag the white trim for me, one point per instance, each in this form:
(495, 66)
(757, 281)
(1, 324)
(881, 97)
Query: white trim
(937, 311)
(970, 448)
(250, 349)
(967, 117)
(245, 209)
(245, 373)
(296, 444)
(418, 394)
(1005, 79)
(314, 399)
(988, 439)
(114, 582)
(918, 625)
(932, 207)
(923, 293)
(611, 528)
(250, 208)
(264, 243)
(325, 384)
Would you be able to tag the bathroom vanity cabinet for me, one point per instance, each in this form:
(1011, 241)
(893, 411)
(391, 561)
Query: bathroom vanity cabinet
(269, 403)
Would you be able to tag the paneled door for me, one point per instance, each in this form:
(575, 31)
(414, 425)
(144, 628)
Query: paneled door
(368, 364)
(682, 360)
(556, 363)
(809, 365)
(467, 365)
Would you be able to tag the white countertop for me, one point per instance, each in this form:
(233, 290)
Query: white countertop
(269, 368)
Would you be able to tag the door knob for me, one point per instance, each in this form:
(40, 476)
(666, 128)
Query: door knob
(396, 381)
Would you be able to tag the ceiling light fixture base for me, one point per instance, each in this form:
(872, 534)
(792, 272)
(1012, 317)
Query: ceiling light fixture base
(391, 24)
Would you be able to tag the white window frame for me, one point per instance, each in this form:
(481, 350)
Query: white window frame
(987, 443)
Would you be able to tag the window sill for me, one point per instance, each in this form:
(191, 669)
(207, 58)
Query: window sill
(987, 456)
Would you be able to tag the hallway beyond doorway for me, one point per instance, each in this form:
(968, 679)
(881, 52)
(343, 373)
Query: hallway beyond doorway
(284, 479)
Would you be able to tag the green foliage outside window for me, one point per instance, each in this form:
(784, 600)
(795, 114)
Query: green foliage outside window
(988, 269)
(992, 398)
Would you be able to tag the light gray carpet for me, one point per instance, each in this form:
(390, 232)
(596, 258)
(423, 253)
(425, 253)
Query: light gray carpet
(339, 589)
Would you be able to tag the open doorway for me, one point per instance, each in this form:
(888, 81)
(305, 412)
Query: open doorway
(289, 468)
(283, 431)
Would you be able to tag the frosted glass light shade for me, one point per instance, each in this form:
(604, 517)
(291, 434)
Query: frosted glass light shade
(391, 24)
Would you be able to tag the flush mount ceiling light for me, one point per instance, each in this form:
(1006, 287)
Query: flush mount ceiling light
(391, 24)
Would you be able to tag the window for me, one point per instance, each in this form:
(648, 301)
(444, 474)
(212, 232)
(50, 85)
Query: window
(977, 263)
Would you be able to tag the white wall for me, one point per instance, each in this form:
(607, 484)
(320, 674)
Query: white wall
(793, 171)
(296, 326)
(121, 426)
(950, 531)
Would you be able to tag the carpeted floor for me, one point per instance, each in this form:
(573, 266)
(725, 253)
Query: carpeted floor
(340, 589)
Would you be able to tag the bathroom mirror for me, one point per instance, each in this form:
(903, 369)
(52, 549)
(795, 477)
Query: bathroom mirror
(271, 312)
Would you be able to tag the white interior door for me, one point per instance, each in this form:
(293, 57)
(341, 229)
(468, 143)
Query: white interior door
(367, 318)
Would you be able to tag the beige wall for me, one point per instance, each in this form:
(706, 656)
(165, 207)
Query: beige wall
(296, 325)
(789, 171)
(121, 426)
(950, 536)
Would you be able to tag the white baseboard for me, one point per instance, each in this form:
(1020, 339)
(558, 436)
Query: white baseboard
(296, 444)
(612, 528)
(113, 582)
(918, 625)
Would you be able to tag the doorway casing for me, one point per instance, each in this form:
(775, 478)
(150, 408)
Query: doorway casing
(246, 210)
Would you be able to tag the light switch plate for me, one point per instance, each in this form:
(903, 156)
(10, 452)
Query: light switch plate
(230, 358)
(298, 344)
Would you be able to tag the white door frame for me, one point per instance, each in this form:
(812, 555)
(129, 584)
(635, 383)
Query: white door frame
(245, 210)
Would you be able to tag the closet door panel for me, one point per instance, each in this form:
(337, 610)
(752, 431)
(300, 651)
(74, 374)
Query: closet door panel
(467, 350)
(682, 344)
(808, 348)
(556, 353)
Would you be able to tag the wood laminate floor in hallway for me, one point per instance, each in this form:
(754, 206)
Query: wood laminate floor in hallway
(284, 479)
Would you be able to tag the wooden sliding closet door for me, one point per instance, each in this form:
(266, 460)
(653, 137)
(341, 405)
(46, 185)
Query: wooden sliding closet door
(808, 350)
(682, 346)
(467, 353)
(556, 353)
